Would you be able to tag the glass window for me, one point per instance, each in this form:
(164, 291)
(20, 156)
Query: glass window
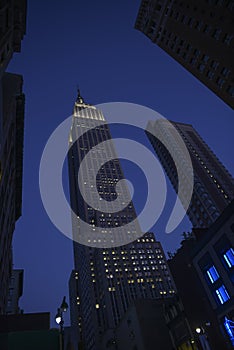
(213, 274)
(230, 90)
(201, 67)
(225, 72)
(206, 29)
(210, 74)
(229, 257)
(222, 294)
(228, 38)
(220, 82)
(214, 64)
(229, 325)
(216, 33)
(205, 58)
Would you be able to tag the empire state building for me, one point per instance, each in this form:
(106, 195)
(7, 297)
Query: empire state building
(108, 275)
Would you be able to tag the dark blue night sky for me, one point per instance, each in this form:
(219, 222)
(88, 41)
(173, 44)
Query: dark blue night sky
(94, 44)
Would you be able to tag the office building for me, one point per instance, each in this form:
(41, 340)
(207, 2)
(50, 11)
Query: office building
(106, 280)
(197, 307)
(198, 35)
(12, 30)
(213, 185)
(213, 260)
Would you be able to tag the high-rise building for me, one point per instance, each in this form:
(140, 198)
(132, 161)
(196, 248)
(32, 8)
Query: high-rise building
(213, 185)
(12, 30)
(11, 164)
(197, 34)
(106, 280)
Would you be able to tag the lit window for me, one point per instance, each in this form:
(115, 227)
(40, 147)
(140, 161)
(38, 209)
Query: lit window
(222, 294)
(212, 274)
(97, 306)
(229, 325)
(229, 257)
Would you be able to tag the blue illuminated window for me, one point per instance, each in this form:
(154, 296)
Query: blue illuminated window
(229, 325)
(229, 257)
(212, 274)
(222, 294)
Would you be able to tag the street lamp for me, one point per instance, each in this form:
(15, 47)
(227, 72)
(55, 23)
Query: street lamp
(59, 319)
(203, 340)
(198, 330)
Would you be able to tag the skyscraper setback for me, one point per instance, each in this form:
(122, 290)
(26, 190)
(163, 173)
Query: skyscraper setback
(198, 35)
(213, 185)
(106, 279)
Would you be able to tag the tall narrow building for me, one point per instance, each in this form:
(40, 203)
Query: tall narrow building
(213, 185)
(107, 277)
(198, 35)
(12, 30)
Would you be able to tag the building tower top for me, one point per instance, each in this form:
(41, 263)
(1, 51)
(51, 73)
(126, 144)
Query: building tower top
(79, 98)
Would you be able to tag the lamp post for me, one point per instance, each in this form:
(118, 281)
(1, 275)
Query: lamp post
(203, 338)
(59, 320)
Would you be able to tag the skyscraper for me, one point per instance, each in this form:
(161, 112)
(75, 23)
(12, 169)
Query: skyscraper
(213, 185)
(106, 280)
(198, 35)
(12, 30)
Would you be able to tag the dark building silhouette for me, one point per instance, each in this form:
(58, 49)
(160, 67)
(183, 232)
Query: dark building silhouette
(196, 304)
(198, 34)
(213, 185)
(213, 260)
(12, 30)
(106, 280)
(151, 324)
(15, 292)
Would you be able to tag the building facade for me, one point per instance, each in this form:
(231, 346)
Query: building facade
(197, 34)
(197, 307)
(213, 259)
(151, 324)
(12, 30)
(106, 280)
(11, 164)
(213, 185)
